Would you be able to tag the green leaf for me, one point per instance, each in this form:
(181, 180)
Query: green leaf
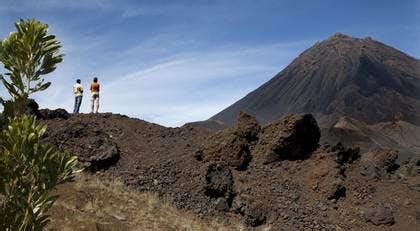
(27, 54)
(29, 169)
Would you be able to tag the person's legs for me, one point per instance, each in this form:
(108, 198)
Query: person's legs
(96, 105)
(79, 102)
(92, 100)
(75, 105)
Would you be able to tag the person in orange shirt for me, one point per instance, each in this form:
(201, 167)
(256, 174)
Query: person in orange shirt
(94, 90)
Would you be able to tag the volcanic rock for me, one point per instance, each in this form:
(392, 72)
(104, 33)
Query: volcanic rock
(232, 145)
(218, 181)
(221, 204)
(326, 177)
(379, 215)
(252, 213)
(345, 155)
(106, 156)
(9, 107)
(247, 127)
(52, 114)
(92, 145)
(293, 137)
(239, 205)
(254, 217)
(32, 107)
(378, 163)
(318, 191)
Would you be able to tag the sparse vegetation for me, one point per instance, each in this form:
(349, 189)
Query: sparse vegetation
(28, 54)
(29, 169)
(100, 202)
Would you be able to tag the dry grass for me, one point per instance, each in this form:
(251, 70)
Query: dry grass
(94, 202)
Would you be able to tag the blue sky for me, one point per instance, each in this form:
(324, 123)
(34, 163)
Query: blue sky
(172, 62)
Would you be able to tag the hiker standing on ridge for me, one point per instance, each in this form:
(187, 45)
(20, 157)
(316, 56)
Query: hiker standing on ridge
(78, 95)
(94, 90)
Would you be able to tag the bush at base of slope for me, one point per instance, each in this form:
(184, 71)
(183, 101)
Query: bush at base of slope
(30, 170)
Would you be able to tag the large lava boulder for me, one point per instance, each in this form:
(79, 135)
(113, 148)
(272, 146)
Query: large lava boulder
(246, 127)
(93, 146)
(106, 156)
(325, 177)
(232, 145)
(31, 107)
(218, 181)
(345, 155)
(293, 137)
(48, 114)
(378, 214)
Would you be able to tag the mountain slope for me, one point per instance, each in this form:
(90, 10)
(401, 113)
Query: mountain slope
(398, 135)
(344, 76)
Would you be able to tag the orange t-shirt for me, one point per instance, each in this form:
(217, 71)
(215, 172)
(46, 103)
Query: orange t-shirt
(94, 88)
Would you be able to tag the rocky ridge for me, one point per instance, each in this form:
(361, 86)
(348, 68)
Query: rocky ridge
(278, 174)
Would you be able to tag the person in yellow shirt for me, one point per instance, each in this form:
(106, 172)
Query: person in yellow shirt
(78, 93)
(94, 90)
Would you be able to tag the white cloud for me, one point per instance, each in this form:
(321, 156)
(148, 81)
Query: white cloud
(180, 88)
(140, 11)
(169, 77)
(195, 86)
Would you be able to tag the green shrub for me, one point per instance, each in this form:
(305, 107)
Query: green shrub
(29, 170)
(28, 54)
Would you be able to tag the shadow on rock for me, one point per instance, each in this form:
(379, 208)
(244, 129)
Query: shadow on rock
(293, 137)
(232, 145)
(94, 148)
(379, 163)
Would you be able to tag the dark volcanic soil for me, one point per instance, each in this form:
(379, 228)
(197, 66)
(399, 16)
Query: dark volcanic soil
(261, 179)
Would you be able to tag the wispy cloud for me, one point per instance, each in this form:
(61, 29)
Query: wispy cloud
(141, 11)
(185, 87)
(169, 77)
(194, 86)
(173, 62)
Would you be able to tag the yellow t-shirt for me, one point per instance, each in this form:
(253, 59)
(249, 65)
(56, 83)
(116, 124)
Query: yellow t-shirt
(78, 89)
